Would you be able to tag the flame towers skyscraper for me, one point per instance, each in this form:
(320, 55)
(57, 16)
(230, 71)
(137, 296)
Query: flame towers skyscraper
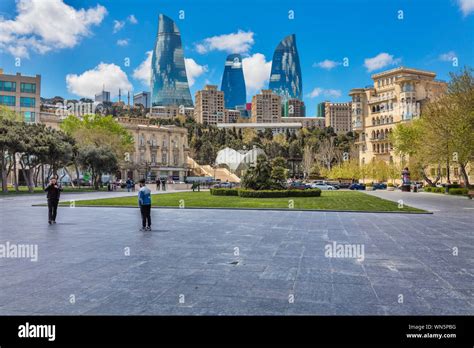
(233, 82)
(285, 77)
(169, 83)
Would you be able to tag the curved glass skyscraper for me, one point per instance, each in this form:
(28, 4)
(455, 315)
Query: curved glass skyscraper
(169, 83)
(233, 82)
(285, 78)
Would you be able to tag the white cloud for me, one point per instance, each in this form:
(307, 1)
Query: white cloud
(118, 25)
(467, 6)
(326, 64)
(239, 42)
(256, 72)
(43, 26)
(447, 57)
(122, 42)
(193, 70)
(380, 61)
(93, 81)
(143, 71)
(330, 93)
(132, 19)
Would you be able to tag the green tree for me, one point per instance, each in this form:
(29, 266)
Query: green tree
(98, 160)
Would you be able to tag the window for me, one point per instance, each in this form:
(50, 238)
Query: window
(164, 158)
(28, 87)
(29, 116)
(8, 86)
(7, 100)
(27, 102)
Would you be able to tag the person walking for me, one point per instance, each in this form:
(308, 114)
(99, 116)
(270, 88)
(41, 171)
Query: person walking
(158, 183)
(163, 184)
(144, 202)
(53, 193)
(129, 184)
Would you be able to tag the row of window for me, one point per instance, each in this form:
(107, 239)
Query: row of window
(164, 159)
(10, 100)
(10, 86)
(382, 120)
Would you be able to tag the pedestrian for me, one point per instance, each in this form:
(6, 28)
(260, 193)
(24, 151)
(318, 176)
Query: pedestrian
(133, 185)
(53, 192)
(129, 184)
(163, 184)
(144, 201)
(158, 184)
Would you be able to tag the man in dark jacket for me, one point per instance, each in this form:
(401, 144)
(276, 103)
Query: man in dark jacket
(54, 191)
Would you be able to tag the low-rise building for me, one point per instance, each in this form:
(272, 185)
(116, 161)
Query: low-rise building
(277, 127)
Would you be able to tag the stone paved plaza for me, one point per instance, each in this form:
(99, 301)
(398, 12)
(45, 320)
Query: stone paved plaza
(225, 262)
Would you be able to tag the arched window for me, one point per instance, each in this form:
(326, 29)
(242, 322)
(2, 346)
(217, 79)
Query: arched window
(373, 121)
(373, 134)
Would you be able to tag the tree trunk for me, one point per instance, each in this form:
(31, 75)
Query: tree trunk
(70, 177)
(464, 175)
(4, 173)
(25, 176)
(15, 177)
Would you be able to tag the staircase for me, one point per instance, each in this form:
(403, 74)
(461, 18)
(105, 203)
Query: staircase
(222, 174)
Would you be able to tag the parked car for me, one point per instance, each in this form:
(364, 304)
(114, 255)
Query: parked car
(344, 185)
(357, 187)
(323, 186)
(224, 185)
(296, 185)
(379, 186)
(334, 184)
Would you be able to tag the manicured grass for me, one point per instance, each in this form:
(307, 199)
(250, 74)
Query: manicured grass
(329, 200)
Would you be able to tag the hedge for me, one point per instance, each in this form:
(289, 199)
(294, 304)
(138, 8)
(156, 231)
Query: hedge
(279, 193)
(458, 191)
(224, 192)
(434, 189)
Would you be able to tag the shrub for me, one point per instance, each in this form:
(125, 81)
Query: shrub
(304, 193)
(224, 192)
(390, 184)
(279, 193)
(434, 189)
(263, 193)
(458, 191)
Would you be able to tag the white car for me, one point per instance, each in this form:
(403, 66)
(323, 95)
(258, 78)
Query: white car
(322, 186)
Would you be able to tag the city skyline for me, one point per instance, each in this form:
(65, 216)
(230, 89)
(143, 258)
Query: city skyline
(110, 35)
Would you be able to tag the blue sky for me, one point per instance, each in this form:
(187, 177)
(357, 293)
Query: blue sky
(66, 41)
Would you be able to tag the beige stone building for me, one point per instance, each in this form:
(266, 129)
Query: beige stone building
(266, 107)
(22, 94)
(338, 116)
(209, 106)
(160, 151)
(398, 95)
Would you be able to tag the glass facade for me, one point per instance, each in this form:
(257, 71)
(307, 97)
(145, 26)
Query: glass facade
(233, 82)
(29, 116)
(27, 102)
(8, 86)
(28, 87)
(285, 78)
(169, 83)
(7, 100)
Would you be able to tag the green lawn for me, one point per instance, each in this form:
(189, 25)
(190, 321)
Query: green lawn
(337, 200)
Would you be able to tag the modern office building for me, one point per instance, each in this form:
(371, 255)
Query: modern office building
(142, 98)
(397, 95)
(294, 108)
(338, 116)
(266, 107)
(169, 83)
(321, 112)
(22, 94)
(285, 77)
(101, 97)
(233, 82)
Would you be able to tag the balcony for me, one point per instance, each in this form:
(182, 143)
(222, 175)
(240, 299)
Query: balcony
(374, 100)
